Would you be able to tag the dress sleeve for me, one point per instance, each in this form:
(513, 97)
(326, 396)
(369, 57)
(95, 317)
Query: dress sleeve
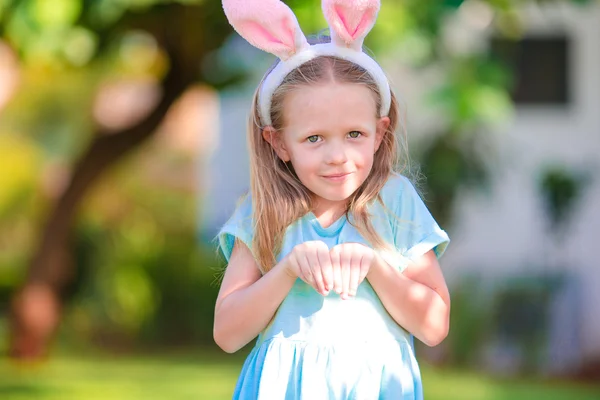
(414, 230)
(239, 226)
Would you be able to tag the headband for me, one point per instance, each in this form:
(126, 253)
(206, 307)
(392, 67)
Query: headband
(270, 25)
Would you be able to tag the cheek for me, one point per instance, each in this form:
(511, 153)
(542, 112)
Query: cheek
(305, 162)
(364, 157)
(366, 163)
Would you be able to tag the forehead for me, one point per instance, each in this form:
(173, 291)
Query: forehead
(325, 106)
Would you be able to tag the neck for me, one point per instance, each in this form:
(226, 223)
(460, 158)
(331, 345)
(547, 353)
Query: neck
(328, 212)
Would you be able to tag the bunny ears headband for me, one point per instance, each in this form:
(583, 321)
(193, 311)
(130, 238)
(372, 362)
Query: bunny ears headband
(271, 26)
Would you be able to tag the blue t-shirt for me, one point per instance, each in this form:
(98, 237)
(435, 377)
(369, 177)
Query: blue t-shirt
(323, 347)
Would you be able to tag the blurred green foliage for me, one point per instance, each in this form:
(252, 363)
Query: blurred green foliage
(471, 322)
(144, 278)
(67, 32)
(561, 189)
(141, 276)
(511, 318)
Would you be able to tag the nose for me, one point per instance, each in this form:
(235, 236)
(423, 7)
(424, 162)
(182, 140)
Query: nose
(336, 154)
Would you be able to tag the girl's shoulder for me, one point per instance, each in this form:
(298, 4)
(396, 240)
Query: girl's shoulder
(414, 229)
(243, 210)
(397, 187)
(239, 225)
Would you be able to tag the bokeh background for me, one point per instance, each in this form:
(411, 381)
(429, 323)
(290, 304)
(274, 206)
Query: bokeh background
(122, 151)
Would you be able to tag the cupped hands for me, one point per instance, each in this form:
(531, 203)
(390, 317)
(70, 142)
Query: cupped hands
(341, 268)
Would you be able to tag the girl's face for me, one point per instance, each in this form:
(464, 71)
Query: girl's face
(331, 134)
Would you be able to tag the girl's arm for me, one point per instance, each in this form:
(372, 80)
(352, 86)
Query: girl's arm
(247, 301)
(416, 298)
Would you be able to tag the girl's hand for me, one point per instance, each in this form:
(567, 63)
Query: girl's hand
(351, 263)
(310, 261)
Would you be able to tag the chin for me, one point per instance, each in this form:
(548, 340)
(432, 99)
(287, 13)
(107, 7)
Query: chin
(339, 194)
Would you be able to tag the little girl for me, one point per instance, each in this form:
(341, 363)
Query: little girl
(333, 256)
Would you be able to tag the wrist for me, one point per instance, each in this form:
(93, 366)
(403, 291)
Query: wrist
(287, 268)
(377, 265)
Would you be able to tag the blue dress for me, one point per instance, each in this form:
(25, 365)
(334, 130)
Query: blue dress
(322, 347)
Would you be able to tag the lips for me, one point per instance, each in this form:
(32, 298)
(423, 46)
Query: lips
(336, 175)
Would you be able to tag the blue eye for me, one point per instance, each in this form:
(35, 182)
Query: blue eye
(313, 138)
(355, 134)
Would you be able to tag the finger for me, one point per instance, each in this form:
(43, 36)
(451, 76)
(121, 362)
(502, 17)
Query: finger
(326, 267)
(305, 272)
(355, 267)
(315, 268)
(336, 268)
(365, 264)
(345, 261)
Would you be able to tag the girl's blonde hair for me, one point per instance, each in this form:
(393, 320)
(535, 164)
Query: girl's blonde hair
(278, 196)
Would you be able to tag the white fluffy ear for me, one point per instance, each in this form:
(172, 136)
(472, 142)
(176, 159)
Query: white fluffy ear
(269, 25)
(350, 20)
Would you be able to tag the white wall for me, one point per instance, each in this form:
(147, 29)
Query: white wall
(229, 174)
(507, 231)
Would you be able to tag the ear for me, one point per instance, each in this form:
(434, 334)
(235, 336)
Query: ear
(350, 20)
(276, 141)
(382, 126)
(269, 25)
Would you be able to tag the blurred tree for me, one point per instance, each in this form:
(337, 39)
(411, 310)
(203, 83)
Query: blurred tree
(68, 34)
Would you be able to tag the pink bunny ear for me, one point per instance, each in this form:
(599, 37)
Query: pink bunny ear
(350, 20)
(269, 25)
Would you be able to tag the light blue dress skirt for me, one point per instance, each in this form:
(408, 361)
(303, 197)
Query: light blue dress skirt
(327, 348)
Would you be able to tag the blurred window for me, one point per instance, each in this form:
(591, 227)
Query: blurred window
(540, 68)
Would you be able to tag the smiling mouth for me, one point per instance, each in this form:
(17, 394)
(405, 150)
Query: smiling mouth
(336, 176)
